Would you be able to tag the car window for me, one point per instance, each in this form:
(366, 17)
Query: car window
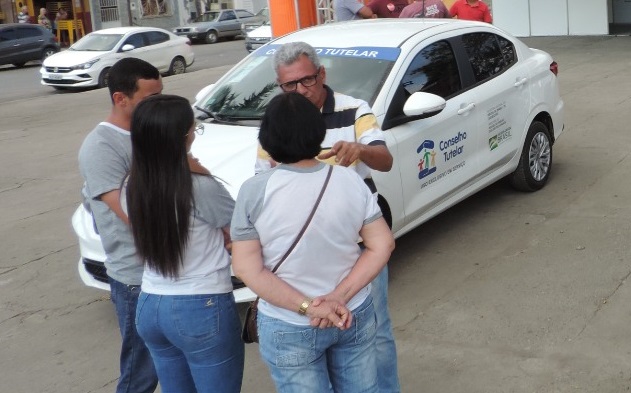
(433, 70)
(244, 14)
(97, 42)
(228, 15)
(155, 37)
(28, 32)
(136, 40)
(246, 90)
(207, 17)
(485, 55)
(508, 50)
(7, 35)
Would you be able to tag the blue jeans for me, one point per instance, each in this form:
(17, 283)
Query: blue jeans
(195, 341)
(385, 347)
(137, 374)
(303, 359)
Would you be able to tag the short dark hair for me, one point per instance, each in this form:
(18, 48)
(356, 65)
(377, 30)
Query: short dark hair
(292, 128)
(124, 74)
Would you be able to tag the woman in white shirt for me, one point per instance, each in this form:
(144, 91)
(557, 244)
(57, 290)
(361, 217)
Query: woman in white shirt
(179, 215)
(325, 281)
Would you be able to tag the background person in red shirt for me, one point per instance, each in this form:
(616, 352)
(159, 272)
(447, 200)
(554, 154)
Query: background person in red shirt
(387, 8)
(471, 10)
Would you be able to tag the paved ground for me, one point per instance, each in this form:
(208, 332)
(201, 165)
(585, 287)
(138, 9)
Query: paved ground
(506, 292)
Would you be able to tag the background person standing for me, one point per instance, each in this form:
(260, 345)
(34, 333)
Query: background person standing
(426, 9)
(23, 16)
(43, 20)
(387, 8)
(475, 10)
(351, 10)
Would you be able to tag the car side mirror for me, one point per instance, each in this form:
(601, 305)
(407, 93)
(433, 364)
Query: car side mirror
(424, 104)
(203, 92)
(127, 48)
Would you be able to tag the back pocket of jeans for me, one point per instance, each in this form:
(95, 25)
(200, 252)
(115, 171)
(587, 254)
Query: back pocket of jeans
(294, 349)
(196, 318)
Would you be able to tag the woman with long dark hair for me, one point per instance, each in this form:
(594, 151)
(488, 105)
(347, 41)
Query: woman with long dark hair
(179, 215)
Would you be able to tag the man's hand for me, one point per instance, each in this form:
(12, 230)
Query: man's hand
(345, 153)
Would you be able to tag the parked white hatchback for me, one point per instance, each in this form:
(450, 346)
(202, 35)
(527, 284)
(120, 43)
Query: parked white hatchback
(462, 104)
(87, 62)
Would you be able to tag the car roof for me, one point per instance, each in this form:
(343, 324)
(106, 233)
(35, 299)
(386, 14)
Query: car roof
(5, 25)
(126, 29)
(366, 32)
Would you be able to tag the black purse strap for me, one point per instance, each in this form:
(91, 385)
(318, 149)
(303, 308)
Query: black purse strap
(304, 227)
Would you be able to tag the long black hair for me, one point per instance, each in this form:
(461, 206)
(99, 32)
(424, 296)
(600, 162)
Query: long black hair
(160, 190)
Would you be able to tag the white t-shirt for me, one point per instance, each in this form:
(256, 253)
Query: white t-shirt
(206, 265)
(273, 207)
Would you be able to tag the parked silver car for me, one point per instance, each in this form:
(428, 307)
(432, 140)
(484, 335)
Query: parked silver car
(212, 25)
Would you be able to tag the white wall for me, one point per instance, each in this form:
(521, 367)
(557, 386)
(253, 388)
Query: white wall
(512, 16)
(554, 17)
(588, 17)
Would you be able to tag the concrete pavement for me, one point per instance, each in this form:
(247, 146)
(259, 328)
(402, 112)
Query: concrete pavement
(506, 292)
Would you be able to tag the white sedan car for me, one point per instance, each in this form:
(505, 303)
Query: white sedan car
(462, 104)
(87, 62)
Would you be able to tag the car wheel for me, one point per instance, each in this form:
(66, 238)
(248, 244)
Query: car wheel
(178, 66)
(19, 65)
(103, 77)
(535, 162)
(48, 52)
(211, 37)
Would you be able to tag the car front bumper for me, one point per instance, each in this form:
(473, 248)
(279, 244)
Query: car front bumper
(64, 77)
(91, 265)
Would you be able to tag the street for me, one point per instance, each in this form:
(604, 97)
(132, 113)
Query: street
(505, 292)
(22, 83)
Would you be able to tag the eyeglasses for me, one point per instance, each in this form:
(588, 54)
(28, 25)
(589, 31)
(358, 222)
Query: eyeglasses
(307, 81)
(199, 129)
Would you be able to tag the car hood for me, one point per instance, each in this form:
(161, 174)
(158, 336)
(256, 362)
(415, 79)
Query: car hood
(70, 58)
(229, 152)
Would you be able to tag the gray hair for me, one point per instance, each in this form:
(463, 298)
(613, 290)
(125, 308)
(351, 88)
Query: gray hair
(291, 51)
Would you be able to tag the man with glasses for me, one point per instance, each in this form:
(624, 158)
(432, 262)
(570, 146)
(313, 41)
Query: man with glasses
(104, 160)
(353, 139)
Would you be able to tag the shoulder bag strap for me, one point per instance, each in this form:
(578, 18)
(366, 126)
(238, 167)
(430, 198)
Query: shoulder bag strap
(304, 227)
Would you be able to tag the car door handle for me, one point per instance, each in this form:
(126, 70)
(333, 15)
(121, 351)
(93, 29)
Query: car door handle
(466, 109)
(521, 82)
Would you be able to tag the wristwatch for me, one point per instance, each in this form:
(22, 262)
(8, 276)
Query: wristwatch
(304, 306)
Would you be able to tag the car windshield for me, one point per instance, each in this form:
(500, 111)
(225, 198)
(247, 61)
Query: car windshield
(97, 42)
(244, 93)
(207, 17)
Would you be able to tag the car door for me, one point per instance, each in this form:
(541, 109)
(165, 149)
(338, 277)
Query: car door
(436, 154)
(503, 97)
(31, 40)
(228, 24)
(158, 50)
(140, 47)
(8, 45)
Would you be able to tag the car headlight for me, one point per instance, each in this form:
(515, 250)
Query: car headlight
(194, 29)
(84, 66)
(242, 26)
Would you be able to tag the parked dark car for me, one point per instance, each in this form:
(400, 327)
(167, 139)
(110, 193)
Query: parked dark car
(212, 25)
(22, 42)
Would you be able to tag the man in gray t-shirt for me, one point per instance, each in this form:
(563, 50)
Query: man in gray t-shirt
(104, 160)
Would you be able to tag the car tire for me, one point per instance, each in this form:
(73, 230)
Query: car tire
(178, 66)
(47, 52)
(535, 162)
(19, 65)
(103, 77)
(211, 37)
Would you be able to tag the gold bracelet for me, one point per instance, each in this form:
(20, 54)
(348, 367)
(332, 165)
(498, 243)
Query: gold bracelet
(304, 306)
